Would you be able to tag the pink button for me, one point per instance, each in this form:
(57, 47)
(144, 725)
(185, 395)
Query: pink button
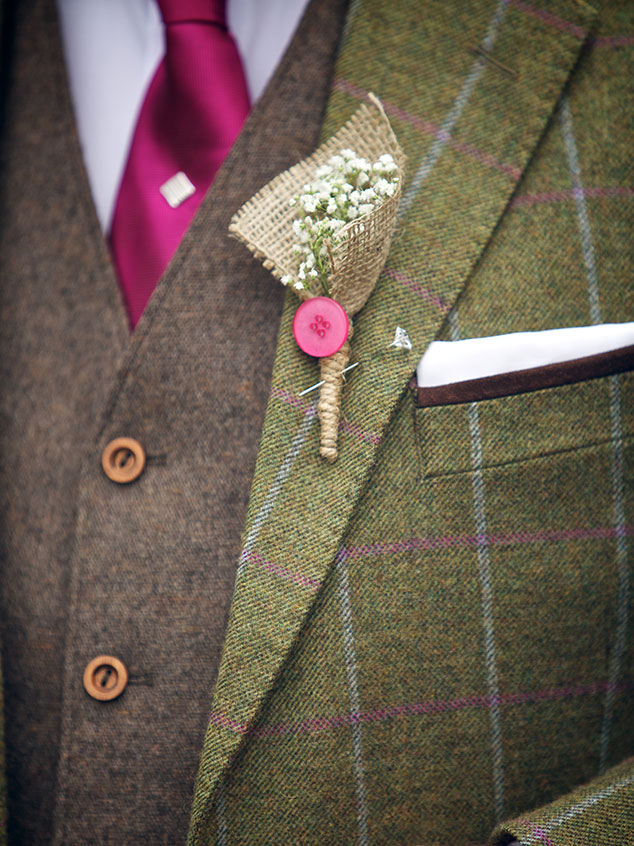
(320, 326)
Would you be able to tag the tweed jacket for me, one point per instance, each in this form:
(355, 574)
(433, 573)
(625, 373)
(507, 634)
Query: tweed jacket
(428, 641)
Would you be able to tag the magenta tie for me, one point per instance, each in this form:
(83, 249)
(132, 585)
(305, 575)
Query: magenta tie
(193, 110)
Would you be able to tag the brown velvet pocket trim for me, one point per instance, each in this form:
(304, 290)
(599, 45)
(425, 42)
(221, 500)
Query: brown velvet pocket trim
(532, 379)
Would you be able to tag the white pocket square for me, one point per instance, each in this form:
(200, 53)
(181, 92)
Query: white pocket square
(448, 362)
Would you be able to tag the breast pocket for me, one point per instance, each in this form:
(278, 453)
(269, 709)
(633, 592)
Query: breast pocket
(526, 416)
(529, 508)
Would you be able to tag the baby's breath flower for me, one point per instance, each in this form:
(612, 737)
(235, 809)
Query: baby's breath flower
(347, 187)
(360, 164)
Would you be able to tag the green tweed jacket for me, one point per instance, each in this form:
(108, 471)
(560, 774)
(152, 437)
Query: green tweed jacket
(430, 641)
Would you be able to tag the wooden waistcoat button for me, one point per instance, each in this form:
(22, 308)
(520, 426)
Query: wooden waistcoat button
(123, 460)
(105, 677)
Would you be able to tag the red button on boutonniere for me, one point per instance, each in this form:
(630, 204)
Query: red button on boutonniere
(320, 326)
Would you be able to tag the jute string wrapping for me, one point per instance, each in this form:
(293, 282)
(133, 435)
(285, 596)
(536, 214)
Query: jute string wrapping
(264, 225)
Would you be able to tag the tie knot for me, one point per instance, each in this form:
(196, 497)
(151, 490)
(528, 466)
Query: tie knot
(203, 11)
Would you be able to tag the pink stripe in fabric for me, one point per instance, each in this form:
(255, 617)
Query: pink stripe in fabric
(226, 723)
(344, 426)
(316, 724)
(511, 539)
(538, 832)
(428, 128)
(550, 19)
(358, 432)
(282, 572)
(559, 196)
(290, 398)
(417, 289)
(613, 41)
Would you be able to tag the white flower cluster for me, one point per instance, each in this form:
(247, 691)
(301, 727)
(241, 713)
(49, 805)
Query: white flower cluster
(345, 188)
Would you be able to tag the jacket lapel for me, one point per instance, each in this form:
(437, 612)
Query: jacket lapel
(469, 94)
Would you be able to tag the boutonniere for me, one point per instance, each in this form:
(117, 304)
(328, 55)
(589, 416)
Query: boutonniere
(324, 229)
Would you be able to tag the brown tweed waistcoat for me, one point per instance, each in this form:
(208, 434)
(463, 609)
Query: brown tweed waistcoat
(90, 567)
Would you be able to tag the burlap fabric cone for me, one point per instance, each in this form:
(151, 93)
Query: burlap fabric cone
(264, 225)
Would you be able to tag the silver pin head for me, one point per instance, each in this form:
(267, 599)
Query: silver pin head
(177, 189)
(401, 339)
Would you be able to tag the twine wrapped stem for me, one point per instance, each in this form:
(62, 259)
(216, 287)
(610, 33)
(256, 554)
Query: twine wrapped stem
(331, 372)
